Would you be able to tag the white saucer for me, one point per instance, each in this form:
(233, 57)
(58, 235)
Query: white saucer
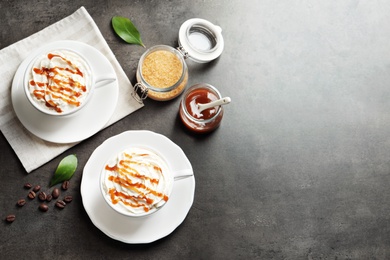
(143, 229)
(90, 120)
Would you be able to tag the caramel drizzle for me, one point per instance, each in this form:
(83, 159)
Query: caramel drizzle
(124, 170)
(65, 90)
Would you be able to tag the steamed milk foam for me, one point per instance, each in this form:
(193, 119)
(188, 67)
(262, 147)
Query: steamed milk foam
(136, 181)
(60, 81)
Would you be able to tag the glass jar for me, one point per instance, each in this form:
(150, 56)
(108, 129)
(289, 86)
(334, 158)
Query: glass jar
(162, 73)
(207, 120)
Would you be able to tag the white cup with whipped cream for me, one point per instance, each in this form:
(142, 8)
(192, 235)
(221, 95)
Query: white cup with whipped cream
(136, 182)
(60, 82)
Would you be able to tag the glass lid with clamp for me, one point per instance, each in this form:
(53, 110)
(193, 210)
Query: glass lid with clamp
(162, 73)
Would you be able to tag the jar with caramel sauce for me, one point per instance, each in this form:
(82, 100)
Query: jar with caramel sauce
(206, 120)
(162, 73)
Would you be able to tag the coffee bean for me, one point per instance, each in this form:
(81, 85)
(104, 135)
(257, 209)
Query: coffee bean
(36, 188)
(56, 193)
(10, 218)
(42, 196)
(49, 197)
(31, 194)
(65, 185)
(21, 202)
(68, 198)
(43, 207)
(60, 204)
(27, 185)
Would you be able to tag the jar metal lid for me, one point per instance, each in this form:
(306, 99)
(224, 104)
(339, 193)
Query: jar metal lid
(200, 40)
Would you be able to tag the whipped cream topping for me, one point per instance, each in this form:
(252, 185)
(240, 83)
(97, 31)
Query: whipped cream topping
(60, 81)
(137, 181)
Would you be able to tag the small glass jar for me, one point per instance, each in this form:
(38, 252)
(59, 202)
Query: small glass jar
(162, 73)
(207, 120)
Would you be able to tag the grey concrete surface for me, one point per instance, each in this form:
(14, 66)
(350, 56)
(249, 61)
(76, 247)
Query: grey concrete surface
(299, 168)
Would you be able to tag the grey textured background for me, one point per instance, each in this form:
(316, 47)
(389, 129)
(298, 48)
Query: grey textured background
(299, 168)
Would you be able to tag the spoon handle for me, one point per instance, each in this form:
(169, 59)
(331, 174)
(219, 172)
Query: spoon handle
(219, 102)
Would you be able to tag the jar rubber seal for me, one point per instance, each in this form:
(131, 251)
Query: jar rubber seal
(200, 40)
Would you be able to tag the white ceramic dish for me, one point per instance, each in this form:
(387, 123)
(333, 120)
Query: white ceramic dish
(88, 121)
(146, 229)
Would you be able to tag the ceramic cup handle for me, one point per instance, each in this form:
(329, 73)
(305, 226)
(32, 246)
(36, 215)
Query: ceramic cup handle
(103, 80)
(178, 175)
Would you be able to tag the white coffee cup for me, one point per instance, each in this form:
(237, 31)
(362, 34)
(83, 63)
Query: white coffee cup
(132, 186)
(62, 78)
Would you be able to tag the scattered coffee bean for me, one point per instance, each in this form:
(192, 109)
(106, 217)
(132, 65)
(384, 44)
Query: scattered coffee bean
(31, 194)
(60, 204)
(43, 207)
(55, 193)
(10, 218)
(42, 196)
(68, 198)
(49, 197)
(27, 185)
(21, 202)
(65, 185)
(36, 188)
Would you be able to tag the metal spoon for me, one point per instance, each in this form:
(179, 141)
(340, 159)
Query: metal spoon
(219, 102)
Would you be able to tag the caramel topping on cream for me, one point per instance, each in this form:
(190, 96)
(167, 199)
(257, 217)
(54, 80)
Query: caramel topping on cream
(137, 180)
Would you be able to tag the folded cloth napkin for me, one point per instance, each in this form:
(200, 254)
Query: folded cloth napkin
(80, 27)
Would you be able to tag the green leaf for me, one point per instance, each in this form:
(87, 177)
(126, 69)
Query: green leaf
(126, 30)
(65, 170)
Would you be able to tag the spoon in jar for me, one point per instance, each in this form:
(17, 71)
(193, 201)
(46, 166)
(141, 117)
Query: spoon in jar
(219, 102)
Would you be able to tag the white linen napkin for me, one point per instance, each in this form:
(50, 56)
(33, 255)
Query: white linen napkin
(31, 150)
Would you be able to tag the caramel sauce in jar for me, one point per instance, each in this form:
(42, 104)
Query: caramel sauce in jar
(207, 120)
